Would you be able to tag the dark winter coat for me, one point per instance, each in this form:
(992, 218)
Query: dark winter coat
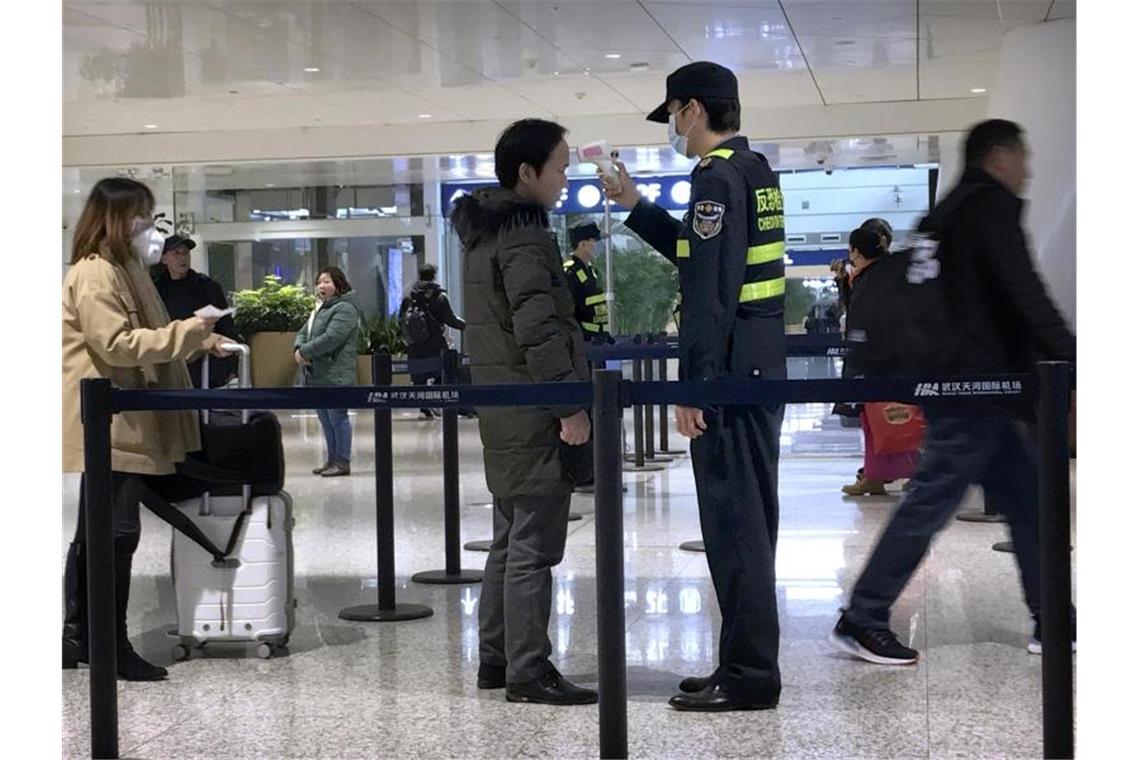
(328, 341)
(439, 307)
(182, 298)
(520, 329)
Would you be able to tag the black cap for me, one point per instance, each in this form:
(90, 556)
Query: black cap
(174, 241)
(587, 231)
(701, 79)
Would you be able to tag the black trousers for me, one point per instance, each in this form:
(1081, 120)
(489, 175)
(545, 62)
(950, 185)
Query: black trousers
(736, 463)
(124, 511)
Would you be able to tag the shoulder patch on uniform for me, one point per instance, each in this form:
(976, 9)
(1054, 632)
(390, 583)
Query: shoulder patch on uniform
(704, 162)
(708, 218)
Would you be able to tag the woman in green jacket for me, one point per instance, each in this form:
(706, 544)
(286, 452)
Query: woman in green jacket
(326, 349)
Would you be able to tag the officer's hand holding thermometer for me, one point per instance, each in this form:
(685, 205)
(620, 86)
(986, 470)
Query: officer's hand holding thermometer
(623, 191)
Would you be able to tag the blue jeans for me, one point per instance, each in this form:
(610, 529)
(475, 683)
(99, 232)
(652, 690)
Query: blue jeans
(983, 444)
(338, 434)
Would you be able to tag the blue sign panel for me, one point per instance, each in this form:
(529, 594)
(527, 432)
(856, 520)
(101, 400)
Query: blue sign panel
(584, 196)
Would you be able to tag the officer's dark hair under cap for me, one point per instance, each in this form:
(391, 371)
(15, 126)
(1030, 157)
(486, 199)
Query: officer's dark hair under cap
(701, 80)
(587, 231)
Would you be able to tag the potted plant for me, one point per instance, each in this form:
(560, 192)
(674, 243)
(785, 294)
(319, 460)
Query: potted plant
(379, 334)
(270, 317)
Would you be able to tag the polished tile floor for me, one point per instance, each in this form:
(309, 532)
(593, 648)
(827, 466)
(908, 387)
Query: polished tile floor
(349, 690)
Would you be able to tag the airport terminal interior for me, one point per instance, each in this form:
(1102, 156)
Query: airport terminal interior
(281, 138)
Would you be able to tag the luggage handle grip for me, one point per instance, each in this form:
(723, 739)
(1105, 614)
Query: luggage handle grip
(226, 563)
(244, 377)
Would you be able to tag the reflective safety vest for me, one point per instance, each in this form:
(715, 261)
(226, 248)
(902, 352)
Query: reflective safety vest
(590, 307)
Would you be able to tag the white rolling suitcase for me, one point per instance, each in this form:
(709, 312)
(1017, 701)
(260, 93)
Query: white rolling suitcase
(248, 597)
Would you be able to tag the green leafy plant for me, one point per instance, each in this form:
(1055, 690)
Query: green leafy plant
(645, 291)
(273, 307)
(381, 333)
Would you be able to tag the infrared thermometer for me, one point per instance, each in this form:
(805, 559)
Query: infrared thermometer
(600, 154)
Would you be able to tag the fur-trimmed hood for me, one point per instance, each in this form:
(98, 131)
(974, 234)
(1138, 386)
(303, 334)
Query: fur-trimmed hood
(493, 210)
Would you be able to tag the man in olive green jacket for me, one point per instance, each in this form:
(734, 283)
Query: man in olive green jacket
(521, 329)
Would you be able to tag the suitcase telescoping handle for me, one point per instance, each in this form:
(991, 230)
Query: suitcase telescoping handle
(244, 381)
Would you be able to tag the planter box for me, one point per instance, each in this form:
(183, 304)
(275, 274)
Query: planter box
(272, 359)
(364, 371)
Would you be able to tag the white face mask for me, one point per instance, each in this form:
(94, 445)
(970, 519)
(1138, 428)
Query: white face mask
(680, 143)
(147, 242)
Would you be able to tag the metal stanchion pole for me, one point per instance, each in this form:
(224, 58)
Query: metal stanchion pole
(387, 609)
(95, 397)
(638, 459)
(987, 515)
(610, 566)
(452, 572)
(1056, 567)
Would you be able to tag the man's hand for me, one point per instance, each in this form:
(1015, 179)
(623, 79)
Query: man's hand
(623, 192)
(576, 428)
(691, 422)
(298, 358)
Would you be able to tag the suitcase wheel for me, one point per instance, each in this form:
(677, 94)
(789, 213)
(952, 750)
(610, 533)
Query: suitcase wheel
(264, 651)
(180, 652)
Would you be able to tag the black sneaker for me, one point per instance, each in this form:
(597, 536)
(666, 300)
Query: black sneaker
(1035, 642)
(320, 470)
(879, 647)
(551, 689)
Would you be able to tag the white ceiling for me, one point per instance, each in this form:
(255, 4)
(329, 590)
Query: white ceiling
(217, 66)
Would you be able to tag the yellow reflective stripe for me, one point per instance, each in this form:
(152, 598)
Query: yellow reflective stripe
(682, 249)
(762, 254)
(592, 300)
(567, 263)
(590, 327)
(720, 153)
(758, 291)
(582, 276)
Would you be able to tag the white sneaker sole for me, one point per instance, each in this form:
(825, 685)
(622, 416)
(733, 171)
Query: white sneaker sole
(850, 646)
(1035, 647)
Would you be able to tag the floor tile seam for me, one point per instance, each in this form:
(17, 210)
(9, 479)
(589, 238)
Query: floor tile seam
(926, 649)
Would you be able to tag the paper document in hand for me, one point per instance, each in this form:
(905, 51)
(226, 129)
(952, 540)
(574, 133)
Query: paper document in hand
(213, 312)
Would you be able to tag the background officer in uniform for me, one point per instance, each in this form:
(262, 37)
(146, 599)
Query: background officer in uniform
(730, 253)
(589, 297)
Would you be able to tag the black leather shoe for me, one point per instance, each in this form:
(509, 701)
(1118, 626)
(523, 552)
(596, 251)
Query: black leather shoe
(693, 684)
(715, 699)
(551, 689)
(491, 676)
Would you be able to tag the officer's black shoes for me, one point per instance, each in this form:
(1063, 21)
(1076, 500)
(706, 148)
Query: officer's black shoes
(878, 646)
(551, 689)
(693, 684)
(491, 676)
(1035, 640)
(715, 699)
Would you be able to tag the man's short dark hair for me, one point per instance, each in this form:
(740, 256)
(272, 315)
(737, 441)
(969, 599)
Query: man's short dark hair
(990, 134)
(428, 272)
(527, 141)
(724, 114)
(880, 227)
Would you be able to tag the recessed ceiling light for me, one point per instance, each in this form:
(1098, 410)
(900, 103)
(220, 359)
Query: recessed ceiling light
(150, 126)
(978, 90)
(425, 115)
(613, 55)
(556, 73)
(270, 184)
(312, 69)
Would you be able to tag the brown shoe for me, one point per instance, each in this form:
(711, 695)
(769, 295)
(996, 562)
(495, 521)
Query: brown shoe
(865, 487)
(336, 470)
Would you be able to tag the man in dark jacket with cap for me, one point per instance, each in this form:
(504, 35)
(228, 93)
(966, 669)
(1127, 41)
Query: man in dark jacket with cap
(184, 291)
(730, 252)
(590, 308)
(429, 300)
(521, 329)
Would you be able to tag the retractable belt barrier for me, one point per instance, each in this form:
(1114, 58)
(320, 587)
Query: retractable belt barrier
(608, 394)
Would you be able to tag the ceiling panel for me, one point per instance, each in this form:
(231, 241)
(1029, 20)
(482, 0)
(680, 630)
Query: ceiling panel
(620, 26)
(740, 37)
(876, 18)
(1063, 9)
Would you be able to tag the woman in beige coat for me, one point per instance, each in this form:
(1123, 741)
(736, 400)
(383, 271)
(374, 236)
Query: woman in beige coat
(116, 327)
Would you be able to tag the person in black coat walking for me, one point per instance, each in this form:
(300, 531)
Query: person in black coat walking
(428, 306)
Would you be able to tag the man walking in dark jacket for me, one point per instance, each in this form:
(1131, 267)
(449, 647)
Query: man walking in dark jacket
(427, 306)
(184, 291)
(521, 329)
(1001, 320)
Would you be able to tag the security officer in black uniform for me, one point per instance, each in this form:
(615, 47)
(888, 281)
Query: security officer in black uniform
(589, 299)
(730, 252)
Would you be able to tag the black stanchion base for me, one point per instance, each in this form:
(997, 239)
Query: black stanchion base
(371, 613)
(644, 468)
(477, 546)
(573, 517)
(979, 517)
(654, 459)
(441, 578)
(692, 546)
(589, 490)
(1003, 546)
(673, 453)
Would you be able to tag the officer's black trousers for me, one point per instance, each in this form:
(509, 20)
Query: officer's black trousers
(735, 463)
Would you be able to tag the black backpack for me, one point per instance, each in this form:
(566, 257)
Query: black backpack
(910, 309)
(418, 324)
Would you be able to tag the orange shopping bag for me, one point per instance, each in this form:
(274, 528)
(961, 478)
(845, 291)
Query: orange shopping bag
(895, 428)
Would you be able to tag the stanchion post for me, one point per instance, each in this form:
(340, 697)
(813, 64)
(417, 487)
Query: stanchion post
(452, 572)
(647, 376)
(638, 422)
(610, 566)
(1056, 568)
(95, 400)
(386, 610)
